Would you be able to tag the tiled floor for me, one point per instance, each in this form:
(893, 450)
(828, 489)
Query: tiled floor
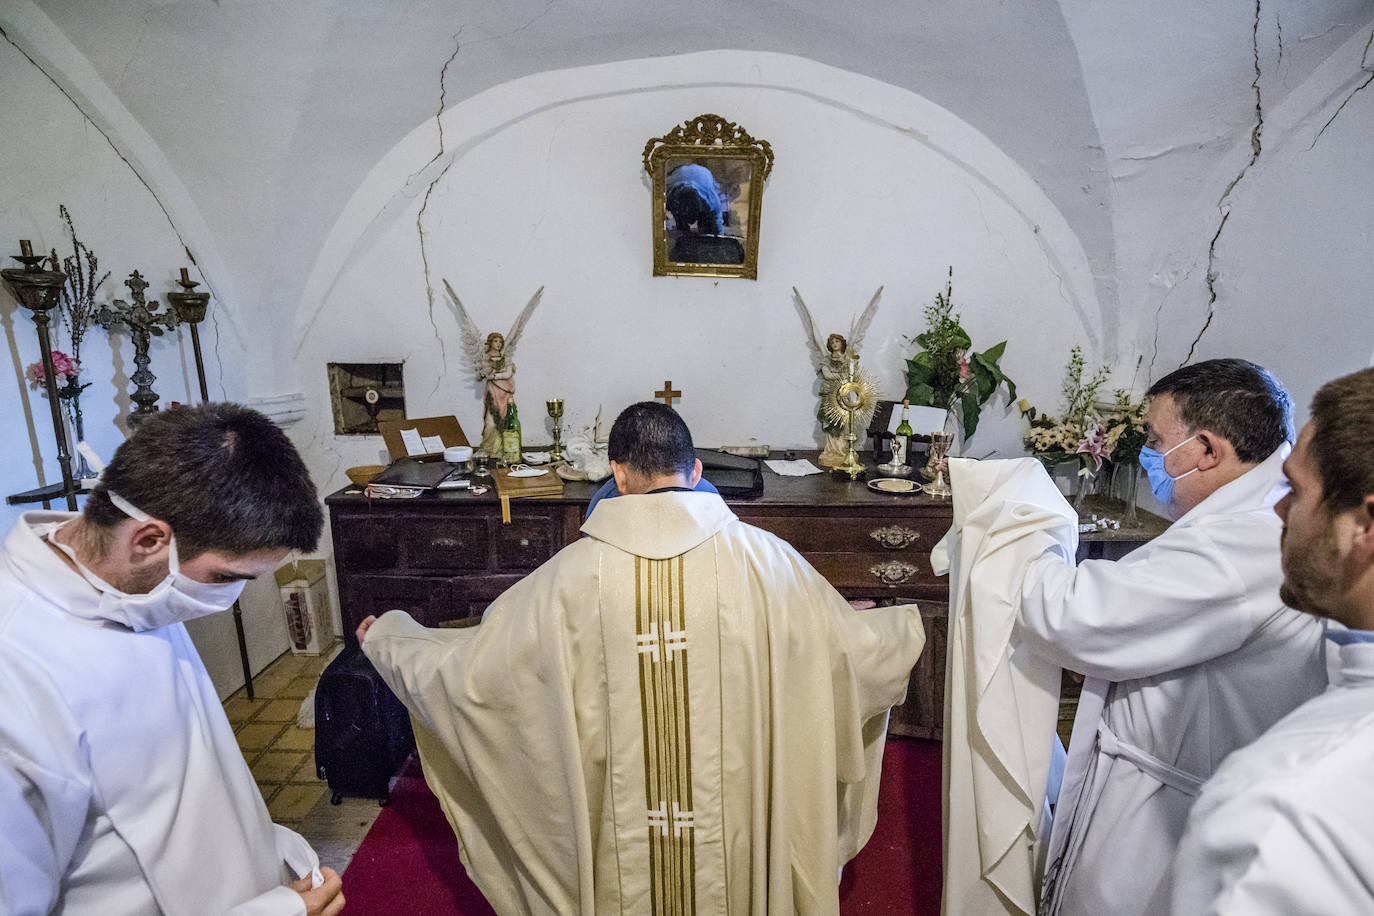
(282, 758)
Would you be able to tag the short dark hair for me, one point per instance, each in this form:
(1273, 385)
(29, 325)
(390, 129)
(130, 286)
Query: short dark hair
(651, 438)
(224, 477)
(1239, 400)
(1342, 434)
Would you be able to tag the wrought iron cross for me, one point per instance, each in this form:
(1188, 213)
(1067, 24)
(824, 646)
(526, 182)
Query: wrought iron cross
(144, 321)
(668, 393)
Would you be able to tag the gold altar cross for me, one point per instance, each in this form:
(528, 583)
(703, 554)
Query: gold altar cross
(668, 393)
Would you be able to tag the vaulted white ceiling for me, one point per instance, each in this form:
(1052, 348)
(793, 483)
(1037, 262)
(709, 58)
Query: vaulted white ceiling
(271, 112)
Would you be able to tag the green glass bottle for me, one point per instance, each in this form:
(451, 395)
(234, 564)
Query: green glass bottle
(901, 440)
(511, 450)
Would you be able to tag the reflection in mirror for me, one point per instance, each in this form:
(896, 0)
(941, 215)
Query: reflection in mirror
(705, 199)
(707, 187)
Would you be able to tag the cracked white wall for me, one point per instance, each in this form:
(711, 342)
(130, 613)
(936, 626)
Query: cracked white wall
(1216, 183)
(1297, 257)
(541, 184)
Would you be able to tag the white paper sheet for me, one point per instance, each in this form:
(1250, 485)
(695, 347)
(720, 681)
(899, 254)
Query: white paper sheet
(410, 438)
(432, 444)
(798, 468)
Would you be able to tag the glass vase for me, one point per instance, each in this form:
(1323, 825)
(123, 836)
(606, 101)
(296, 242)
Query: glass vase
(83, 470)
(1084, 486)
(1130, 473)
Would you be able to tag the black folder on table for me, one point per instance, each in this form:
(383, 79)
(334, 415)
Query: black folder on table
(734, 476)
(413, 473)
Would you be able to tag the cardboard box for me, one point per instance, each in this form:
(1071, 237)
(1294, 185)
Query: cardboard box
(305, 599)
(395, 432)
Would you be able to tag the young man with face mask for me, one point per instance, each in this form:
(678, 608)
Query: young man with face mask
(122, 787)
(1187, 650)
(1286, 826)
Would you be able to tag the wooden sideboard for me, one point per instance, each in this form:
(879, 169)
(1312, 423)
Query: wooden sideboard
(443, 557)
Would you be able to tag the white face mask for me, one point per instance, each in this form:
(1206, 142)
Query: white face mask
(176, 598)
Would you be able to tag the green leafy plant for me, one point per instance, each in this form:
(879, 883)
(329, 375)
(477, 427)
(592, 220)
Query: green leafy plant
(945, 372)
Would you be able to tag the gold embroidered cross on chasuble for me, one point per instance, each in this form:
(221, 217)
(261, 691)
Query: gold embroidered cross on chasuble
(665, 715)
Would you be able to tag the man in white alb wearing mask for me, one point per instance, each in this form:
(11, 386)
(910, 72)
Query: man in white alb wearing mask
(1187, 649)
(1286, 826)
(122, 787)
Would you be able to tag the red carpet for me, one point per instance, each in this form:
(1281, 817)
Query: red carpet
(408, 862)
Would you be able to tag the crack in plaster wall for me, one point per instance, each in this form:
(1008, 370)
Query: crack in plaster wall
(1223, 203)
(429, 191)
(424, 205)
(141, 180)
(1365, 67)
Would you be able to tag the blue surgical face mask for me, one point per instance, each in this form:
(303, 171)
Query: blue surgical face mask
(1161, 484)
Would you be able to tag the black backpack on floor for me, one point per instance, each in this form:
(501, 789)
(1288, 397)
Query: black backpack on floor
(362, 731)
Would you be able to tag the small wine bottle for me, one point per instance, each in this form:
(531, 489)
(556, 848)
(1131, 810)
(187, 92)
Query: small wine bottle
(512, 451)
(901, 440)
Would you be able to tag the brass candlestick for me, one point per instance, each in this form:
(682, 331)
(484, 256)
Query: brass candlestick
(144, 322)
(555, 407)
(38, 291)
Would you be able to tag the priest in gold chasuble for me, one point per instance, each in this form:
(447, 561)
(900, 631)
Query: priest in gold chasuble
(676, 714)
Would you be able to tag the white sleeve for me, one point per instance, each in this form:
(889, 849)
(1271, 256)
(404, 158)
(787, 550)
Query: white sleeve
(301, 860)
(1181, 604)
(44, 816)
(279, 901)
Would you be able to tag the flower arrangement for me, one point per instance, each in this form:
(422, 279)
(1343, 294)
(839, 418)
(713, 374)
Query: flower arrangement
(1079, 433)
(1126, 429)
(945, 372)
(65, 368)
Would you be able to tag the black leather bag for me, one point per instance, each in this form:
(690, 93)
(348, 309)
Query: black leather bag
(362, 731)
(733, 476)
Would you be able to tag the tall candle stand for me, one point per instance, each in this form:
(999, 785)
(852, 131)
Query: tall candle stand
(189, 307)
(38, 291)
(144, 322)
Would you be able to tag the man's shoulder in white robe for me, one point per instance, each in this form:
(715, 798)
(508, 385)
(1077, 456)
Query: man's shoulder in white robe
(1286, 826)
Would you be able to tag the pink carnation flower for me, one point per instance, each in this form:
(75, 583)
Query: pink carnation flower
(64, 367)
(964, 370)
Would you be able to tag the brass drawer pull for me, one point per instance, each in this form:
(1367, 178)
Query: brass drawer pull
(895, 537)
(445, 542)
(893, 572)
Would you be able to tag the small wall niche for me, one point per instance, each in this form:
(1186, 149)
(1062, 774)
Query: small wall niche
(363, 394)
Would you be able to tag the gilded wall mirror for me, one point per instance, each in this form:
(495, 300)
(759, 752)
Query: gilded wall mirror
(708, 176)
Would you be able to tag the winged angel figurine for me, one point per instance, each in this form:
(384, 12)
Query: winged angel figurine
(832, 360)
(493, 361)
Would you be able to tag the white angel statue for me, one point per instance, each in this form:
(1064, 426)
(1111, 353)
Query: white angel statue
(831, 360)
(493, 361)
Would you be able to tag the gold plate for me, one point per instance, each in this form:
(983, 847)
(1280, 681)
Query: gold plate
(898, 485)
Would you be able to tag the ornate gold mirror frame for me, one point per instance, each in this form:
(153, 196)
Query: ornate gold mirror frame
(708, 179)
